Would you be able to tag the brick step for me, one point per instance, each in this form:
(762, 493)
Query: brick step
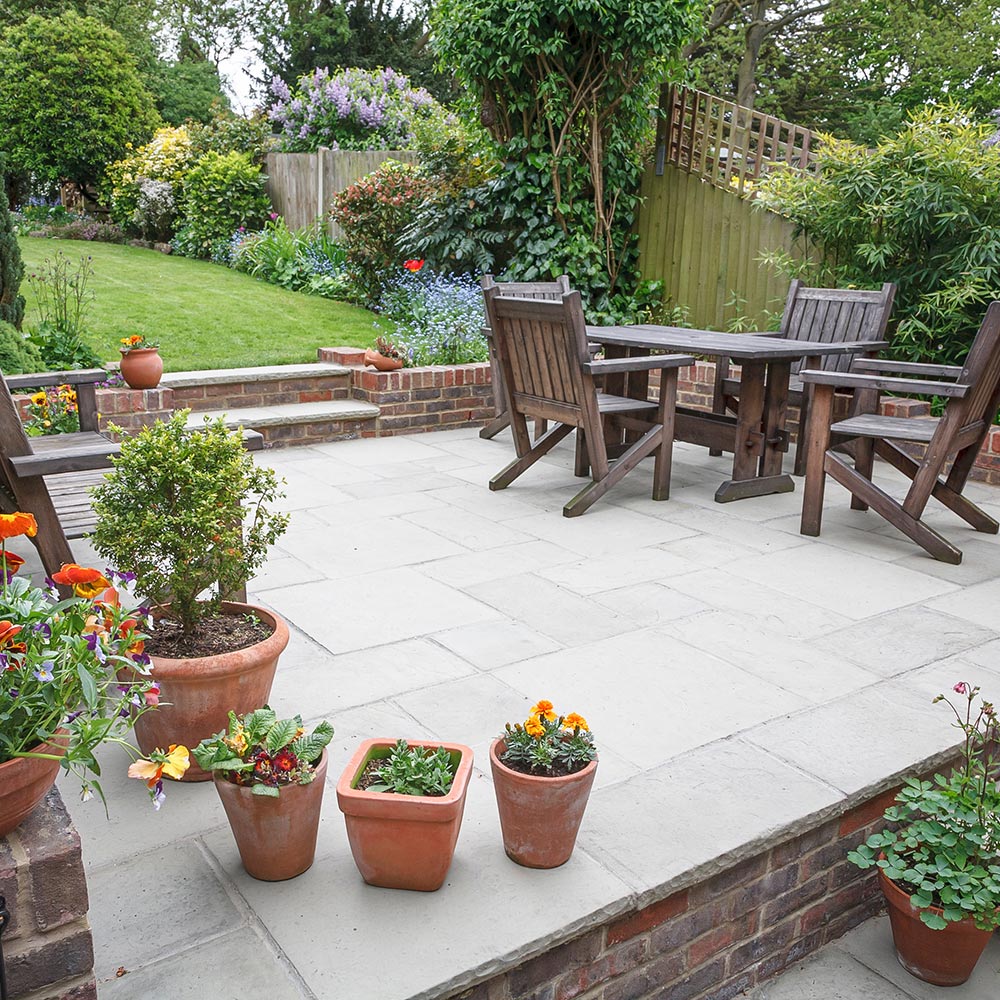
(298, 423)
(269, 385)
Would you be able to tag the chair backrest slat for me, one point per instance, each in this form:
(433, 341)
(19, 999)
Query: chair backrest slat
(982, 370)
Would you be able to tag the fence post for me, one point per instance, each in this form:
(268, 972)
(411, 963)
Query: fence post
(320, 177)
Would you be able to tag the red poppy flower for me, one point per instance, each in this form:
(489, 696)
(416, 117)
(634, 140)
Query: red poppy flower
(413, 265)
(13, 560)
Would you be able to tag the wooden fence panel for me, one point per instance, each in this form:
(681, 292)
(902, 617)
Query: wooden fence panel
(302, 186)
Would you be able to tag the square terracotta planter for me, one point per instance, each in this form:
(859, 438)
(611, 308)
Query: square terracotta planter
(403, 841)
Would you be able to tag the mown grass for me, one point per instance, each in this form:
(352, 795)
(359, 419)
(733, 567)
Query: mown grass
(201, 314)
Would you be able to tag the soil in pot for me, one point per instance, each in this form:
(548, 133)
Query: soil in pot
(944, 958)
(276, 836)
(25, 781)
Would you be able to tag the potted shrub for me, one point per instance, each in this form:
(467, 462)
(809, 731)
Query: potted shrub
(270, 773)
(59, 697)
(403, 808)
(386, 357)
(141, 365)
(188, 513)
(543, 771)
(939, 863)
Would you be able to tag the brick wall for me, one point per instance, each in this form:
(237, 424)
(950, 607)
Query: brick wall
(714, 939)
(47, 948)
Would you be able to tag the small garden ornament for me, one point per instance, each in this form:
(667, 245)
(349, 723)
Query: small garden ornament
(386, 357)
(543, 771)
(939, 863)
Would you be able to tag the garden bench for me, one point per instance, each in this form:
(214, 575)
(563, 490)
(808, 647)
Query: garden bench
(825, 315)
(973, 399)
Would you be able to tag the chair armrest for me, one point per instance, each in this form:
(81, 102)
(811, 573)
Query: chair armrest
(905, 368)
(83, 376)
(861, 346)
(609, 366)
(908, 386)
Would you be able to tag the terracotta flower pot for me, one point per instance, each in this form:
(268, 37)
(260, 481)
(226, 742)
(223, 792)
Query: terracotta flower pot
(943, 958)
(539, 817)
(381, 362)
(197, 694)
(142, 367)
(403, 841)
(25, 781)
(276, 836)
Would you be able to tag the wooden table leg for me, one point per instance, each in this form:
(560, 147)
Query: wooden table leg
(616, 385)
(775, 406)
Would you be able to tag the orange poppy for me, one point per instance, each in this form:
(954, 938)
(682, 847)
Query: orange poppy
(13, 561)
(19, 523)
(8, 632)
(86, 582)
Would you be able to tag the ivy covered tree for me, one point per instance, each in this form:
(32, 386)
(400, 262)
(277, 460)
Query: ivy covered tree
(71, 99)
(566, 90)
(11, 265)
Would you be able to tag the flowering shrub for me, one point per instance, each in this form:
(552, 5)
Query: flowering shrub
(155, 209)
(372, 214)
(264, 752)
(58, 662)
(548, 744)
(439, 317)
(53, 411)
(351, 109)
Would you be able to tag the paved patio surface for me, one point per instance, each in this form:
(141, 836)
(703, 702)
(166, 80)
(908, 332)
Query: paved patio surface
(741, 679)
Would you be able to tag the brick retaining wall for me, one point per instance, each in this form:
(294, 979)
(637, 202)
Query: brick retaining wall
(48, 949)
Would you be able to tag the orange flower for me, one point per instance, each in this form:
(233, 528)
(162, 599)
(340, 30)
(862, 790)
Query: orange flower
(574, 721)
(12, 525)
(12, 561)
(534, 727)
(8, 631)
(544, 709)
(85, 582)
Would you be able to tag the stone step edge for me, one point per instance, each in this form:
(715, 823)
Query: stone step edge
(266, 373)
(288, 414)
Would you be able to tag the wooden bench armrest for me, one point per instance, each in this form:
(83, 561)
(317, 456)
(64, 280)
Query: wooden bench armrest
(83, 376)
(861, 346)
(610, 366)
(907, 386)
(879, 365)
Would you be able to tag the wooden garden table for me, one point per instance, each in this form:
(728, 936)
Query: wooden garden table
(756, 436)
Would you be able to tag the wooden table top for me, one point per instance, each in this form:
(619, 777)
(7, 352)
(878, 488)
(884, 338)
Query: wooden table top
(739, 346)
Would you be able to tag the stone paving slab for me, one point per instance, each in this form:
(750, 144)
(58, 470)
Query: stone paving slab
(742, 680)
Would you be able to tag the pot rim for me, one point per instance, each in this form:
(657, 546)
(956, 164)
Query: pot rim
(244, 790)
(546, 779)
(62, 732)
(139, 350)
(898, 890)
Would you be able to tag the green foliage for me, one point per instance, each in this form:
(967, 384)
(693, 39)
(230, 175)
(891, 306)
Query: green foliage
(227, 133)
(62, 297)
(415, 771)
(566, 92)
(548, 744)
(944, 846)
(922, 210)
(70, 98)
(373, 213)
(11, 265)
(187, 512)
(221, 193)
(18, 355)
(263, 752)
(187, 90)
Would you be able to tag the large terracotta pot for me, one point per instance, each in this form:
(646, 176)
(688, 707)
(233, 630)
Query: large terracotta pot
(276, 836)
(142, 367)
(539, 817)
(381, 362)
(25, 781)
(944, 958)
(403, 841)
(200, 692)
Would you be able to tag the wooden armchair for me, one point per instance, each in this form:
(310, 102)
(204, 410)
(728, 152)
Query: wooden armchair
(973, 394)
(545, 360)
(827, 315)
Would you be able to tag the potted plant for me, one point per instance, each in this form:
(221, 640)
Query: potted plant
(939, 863)
(386, 357)
(59, 697)
(270, 773)
(403, 808)
(188, 513)
(141, 365)
(543, 771)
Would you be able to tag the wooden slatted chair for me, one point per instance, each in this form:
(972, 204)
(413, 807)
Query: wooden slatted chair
(543, 354)
(828, 315)
(549, 291)
(973, 393)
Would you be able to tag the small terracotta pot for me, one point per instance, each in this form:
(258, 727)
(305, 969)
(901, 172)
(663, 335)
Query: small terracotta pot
(403, 841)
(381, 362)
(276, 836)
(25, 781)
(539, 817)
(943, 958)
(142, 367)
(198, 693)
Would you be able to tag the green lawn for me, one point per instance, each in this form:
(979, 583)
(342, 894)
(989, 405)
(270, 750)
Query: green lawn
(201, 314)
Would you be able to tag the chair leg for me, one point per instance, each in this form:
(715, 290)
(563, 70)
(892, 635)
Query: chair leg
(864, 463)
(542, 446)
(818, 439)
(495, 426)
(581, 461)
(664, 454)
(801, 445)
(588, 496)
(718, 398)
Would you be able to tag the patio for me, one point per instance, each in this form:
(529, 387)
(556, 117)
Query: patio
(746, 685)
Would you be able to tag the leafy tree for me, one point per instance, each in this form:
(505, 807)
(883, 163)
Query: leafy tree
(187, 89)
(71, 98)
(11, 265)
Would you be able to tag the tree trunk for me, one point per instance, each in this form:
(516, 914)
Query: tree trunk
(746, 80)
